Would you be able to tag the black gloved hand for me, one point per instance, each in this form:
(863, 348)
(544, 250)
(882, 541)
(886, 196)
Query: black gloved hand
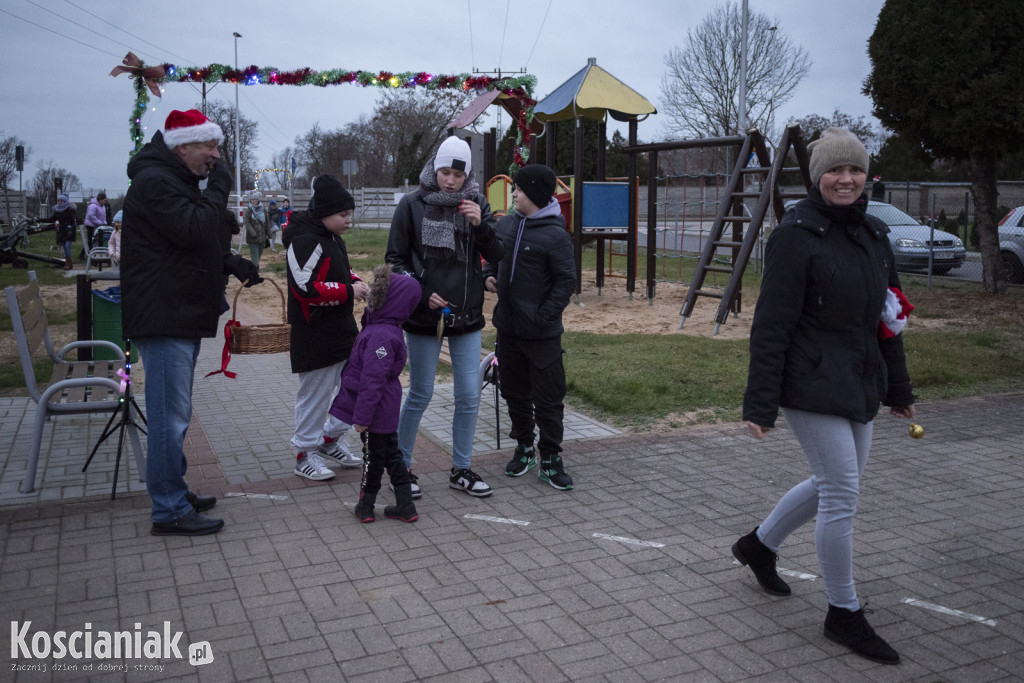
(244, 269)
(220, 177)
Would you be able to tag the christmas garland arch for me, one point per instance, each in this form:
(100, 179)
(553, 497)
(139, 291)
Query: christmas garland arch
(148, 78)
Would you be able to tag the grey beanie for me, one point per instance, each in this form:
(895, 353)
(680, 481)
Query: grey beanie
(836, 147)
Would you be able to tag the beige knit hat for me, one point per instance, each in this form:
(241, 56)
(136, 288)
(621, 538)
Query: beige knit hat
(836, 147)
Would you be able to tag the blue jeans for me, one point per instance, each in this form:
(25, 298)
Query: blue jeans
(837, 450)
(424, 350)
(170, 369)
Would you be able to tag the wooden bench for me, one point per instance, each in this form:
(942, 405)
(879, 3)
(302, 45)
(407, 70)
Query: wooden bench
(75, 387)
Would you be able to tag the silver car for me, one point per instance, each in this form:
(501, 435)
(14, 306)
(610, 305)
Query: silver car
(913, 243)
(1011, 245)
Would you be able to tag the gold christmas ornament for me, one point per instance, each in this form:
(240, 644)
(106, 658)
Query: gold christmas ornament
(916, 431)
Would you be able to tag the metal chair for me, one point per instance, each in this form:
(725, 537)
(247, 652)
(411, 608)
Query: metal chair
(97, 251)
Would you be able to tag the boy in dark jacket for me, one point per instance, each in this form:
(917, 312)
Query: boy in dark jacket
(321, 291)
(370, 397)
(534, 281)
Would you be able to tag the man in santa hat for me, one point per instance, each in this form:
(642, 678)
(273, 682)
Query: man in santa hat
(172, 268)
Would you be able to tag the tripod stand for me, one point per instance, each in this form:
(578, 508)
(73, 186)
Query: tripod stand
(126, 407)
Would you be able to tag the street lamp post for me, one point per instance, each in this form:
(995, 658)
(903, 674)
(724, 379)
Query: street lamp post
(744, 22)
(238, 149)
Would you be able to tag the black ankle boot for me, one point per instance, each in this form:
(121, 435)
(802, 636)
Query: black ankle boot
(751, 552)
(852, 630)
(364, 508)
(403, 509)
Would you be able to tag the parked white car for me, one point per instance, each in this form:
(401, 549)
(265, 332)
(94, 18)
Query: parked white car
(1011, 245)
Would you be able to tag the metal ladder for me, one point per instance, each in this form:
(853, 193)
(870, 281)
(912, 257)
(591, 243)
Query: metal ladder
(745, 229)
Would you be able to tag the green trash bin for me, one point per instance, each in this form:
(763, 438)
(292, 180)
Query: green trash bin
(106, 322)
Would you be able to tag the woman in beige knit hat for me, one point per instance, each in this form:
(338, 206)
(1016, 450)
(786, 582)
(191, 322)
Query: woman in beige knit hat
(819, 351)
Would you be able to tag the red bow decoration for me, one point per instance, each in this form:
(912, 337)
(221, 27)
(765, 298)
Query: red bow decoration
(152, 75)
(225, 356)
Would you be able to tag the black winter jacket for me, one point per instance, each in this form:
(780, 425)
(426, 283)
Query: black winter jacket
(317, 255)
(814, 341)
(172, 259)
(461, 284)
(531, 299)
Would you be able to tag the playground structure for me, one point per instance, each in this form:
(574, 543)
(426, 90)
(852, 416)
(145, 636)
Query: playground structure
(736, 181)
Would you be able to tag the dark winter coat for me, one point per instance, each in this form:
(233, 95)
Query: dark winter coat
(322, 330)
(172, 260)
(66, 224)
(814, 342)
(531, 299)
(461, 284)
(371, 393)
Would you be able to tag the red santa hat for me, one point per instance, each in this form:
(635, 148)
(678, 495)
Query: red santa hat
(183, 127)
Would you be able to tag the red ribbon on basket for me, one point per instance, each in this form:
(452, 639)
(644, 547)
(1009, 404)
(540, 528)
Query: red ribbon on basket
(225, 356)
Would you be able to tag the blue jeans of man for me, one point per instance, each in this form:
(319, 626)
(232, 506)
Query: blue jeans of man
(170, 370)
(837, 450)
(424, 351)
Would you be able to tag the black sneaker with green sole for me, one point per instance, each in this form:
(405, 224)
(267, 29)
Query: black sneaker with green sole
(552, 472)
(522, 461)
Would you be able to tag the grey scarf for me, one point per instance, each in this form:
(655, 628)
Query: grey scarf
(445, 232)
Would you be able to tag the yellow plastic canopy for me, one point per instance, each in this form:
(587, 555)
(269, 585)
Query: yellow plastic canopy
(592, 93)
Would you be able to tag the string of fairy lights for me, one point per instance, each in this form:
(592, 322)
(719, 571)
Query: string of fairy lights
(147, 79)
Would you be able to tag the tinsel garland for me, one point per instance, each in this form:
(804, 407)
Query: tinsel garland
(519, 87)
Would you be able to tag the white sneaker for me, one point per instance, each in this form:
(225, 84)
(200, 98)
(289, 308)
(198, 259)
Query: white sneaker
(417, 492)
(311, 466)
(336, 451)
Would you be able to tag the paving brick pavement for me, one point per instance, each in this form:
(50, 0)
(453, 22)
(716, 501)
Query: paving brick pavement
(626, 578)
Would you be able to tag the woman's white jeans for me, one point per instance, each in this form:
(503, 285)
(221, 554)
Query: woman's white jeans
(837, 450)
(424, 351)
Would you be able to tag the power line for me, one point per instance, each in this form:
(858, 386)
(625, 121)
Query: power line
(472, 50)
(107, 23)
(504, 32)
(50, 30)
(537, 39)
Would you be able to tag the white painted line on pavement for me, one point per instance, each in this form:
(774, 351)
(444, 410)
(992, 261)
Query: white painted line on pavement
(795, 574)
(788, 572)
(951, 612)
(630, 541)
(498, 520)
(263, 496)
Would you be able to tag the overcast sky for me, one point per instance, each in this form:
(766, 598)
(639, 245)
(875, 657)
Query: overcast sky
(55, 57)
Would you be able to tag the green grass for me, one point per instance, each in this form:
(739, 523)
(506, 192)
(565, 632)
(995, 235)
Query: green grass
(960, 342)
(634, 379)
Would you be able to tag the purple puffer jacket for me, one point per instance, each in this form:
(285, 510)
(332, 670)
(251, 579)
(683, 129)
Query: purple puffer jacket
(95, 215)
(371, 393)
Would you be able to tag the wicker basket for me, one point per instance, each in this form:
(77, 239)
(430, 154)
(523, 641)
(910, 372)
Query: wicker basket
(269, 338)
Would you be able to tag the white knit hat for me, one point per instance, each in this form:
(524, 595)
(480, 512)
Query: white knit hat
(183, 127)
(454, 153)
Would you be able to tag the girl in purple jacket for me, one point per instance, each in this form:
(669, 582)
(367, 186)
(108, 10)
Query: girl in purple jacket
(371, 395)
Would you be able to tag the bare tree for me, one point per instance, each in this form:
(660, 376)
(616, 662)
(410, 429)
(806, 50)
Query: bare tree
(40, 188)
(322, 151)
(701, 85)
(389, 146)
(223, 114)
(278, 180)
(813, 125)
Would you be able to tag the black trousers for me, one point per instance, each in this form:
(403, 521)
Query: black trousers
(380, 452)
(532, 381)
